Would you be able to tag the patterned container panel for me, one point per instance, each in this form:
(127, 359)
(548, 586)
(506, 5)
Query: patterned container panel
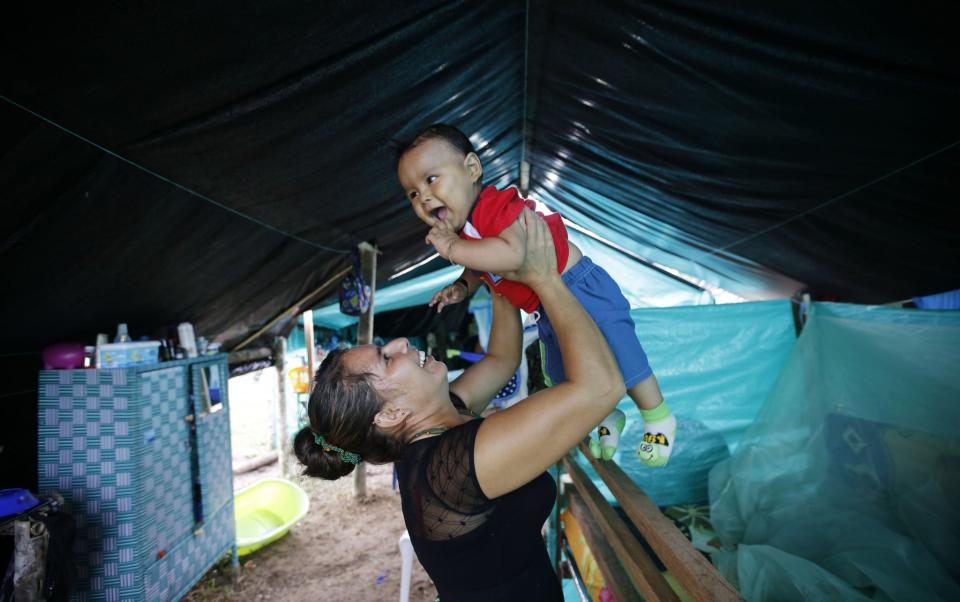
(166, 490)
(213, 433)
(172, 576)
(115, 444)
(86, 453)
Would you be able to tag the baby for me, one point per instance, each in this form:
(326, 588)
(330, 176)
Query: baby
(476, 227)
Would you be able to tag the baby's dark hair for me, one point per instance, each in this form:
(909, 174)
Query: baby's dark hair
(342, 407)
(436, 131)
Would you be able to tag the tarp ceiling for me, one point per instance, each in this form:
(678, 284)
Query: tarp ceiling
(191, 161)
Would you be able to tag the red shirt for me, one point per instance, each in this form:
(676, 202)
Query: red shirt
(491, 214)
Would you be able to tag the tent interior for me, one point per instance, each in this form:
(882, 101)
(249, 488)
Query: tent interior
(179, 162)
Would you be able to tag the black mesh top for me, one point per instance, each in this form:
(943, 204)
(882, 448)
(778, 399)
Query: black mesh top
(475, 548)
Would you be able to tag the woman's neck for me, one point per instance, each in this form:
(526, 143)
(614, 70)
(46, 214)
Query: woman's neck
(442, 418)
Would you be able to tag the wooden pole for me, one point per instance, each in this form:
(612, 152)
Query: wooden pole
(555, 528)
(311, 345)
(279, 350)
(368, 269)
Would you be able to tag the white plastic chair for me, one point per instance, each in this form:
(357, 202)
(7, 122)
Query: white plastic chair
(406, 566)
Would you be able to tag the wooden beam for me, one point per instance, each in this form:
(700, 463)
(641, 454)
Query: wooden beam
(368, 270)
(623, 545)
(614, 575)
(694, 572)
(294, 309)
(248, 355)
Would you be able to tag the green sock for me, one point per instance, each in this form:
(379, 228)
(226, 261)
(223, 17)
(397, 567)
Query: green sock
(659, 429)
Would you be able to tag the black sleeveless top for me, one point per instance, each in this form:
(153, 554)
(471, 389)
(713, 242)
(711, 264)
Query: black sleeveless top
(475, 548)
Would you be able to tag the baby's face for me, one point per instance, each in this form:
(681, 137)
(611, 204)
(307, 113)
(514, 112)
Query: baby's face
(439, 182)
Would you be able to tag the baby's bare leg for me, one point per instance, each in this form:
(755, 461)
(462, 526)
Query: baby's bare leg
(646, 393)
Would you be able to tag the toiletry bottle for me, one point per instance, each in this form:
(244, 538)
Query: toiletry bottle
(122, 335)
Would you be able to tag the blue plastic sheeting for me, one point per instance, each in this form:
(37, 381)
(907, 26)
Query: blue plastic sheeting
(845, 487)
(416, 291)
(948, 300)
(716, 365)
(603, 207)
(643, 286)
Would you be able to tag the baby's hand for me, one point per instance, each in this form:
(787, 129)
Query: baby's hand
(442, 237)
(449, 295)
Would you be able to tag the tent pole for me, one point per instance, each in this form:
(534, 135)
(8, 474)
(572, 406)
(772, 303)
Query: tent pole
(368, 269)
(295, 308)
(279, 350)
(311, 347)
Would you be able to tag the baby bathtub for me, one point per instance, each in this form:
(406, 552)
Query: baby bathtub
(265, 511)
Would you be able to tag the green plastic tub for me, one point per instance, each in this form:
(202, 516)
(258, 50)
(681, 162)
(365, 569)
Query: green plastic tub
(265, 511)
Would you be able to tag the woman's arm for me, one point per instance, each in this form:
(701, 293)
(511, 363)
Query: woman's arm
(514, 446)
(481, 381)
(473, 281)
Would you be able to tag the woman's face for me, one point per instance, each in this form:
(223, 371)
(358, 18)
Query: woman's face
(397, 371)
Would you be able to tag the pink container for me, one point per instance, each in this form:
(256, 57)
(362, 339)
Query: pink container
(63, 356)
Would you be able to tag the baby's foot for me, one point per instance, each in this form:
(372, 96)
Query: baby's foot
(608, 431)
(659, 429)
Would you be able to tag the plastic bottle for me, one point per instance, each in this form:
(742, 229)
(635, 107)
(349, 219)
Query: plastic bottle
(187, 340)
(122, 335)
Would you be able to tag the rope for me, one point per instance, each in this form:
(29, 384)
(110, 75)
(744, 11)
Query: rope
(173, 183)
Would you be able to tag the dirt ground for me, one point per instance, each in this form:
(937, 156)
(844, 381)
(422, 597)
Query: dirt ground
(345, 549)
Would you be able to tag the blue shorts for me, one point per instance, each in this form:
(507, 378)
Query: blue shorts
(601, 297)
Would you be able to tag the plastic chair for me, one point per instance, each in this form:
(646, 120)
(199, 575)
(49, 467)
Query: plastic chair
(300, 379)
(406, 566)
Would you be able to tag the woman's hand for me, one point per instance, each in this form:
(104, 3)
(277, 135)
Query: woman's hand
(449, 295)
(540, 255)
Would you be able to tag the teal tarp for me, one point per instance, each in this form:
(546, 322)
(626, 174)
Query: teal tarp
(416, 291)
(643, 286)
(716, 365)
(846, 484)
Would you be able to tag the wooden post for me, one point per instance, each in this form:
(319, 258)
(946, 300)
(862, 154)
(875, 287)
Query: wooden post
(279, 350)
(555, 529)
(28, 561)
(368, 269)
(311, 345)
(808, 306)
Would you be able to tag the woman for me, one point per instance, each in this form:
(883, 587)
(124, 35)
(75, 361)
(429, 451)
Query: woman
(474, 492)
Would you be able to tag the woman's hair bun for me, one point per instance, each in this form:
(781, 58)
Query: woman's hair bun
(316, 461)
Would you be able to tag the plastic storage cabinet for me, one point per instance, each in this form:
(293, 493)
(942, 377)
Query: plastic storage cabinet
(142, 458)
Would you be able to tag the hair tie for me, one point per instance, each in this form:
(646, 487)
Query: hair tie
(346, 456)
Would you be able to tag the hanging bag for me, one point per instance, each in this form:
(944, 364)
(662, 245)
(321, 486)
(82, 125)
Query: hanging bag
(354, 293)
